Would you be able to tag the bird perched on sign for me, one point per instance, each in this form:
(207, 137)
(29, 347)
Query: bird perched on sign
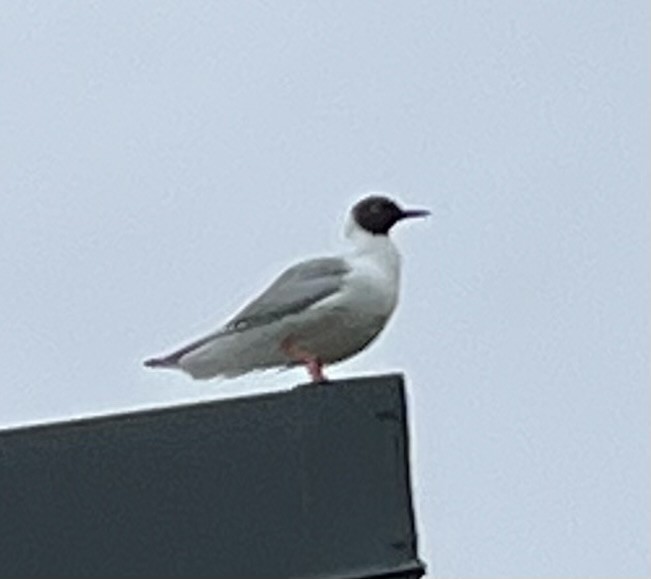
(317, 312)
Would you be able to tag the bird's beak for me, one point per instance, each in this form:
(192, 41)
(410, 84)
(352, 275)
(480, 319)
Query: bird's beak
(409, 213)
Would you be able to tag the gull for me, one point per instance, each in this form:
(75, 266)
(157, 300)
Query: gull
(316, 313)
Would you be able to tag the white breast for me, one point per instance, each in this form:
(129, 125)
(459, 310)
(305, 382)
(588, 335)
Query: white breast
(348, 321)
(374, 281)
(375, 265)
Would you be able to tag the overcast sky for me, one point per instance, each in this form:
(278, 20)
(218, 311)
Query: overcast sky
(162, 161)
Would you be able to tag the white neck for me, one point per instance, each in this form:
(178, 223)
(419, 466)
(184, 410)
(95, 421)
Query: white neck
(377, 248)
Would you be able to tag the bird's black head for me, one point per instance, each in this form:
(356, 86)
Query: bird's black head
(378, 214)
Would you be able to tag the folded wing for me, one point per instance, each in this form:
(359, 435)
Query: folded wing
(295, 290)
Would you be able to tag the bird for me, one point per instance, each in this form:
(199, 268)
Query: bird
(316, 313)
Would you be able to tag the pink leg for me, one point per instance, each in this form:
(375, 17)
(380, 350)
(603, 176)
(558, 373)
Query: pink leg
(312, 363)
(315, 368)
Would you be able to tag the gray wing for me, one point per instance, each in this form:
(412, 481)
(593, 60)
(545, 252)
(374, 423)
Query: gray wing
(298, 288)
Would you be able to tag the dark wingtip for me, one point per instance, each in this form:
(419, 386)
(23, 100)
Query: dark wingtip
(159, 363)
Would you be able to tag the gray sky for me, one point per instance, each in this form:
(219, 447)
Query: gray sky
(161, 161)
